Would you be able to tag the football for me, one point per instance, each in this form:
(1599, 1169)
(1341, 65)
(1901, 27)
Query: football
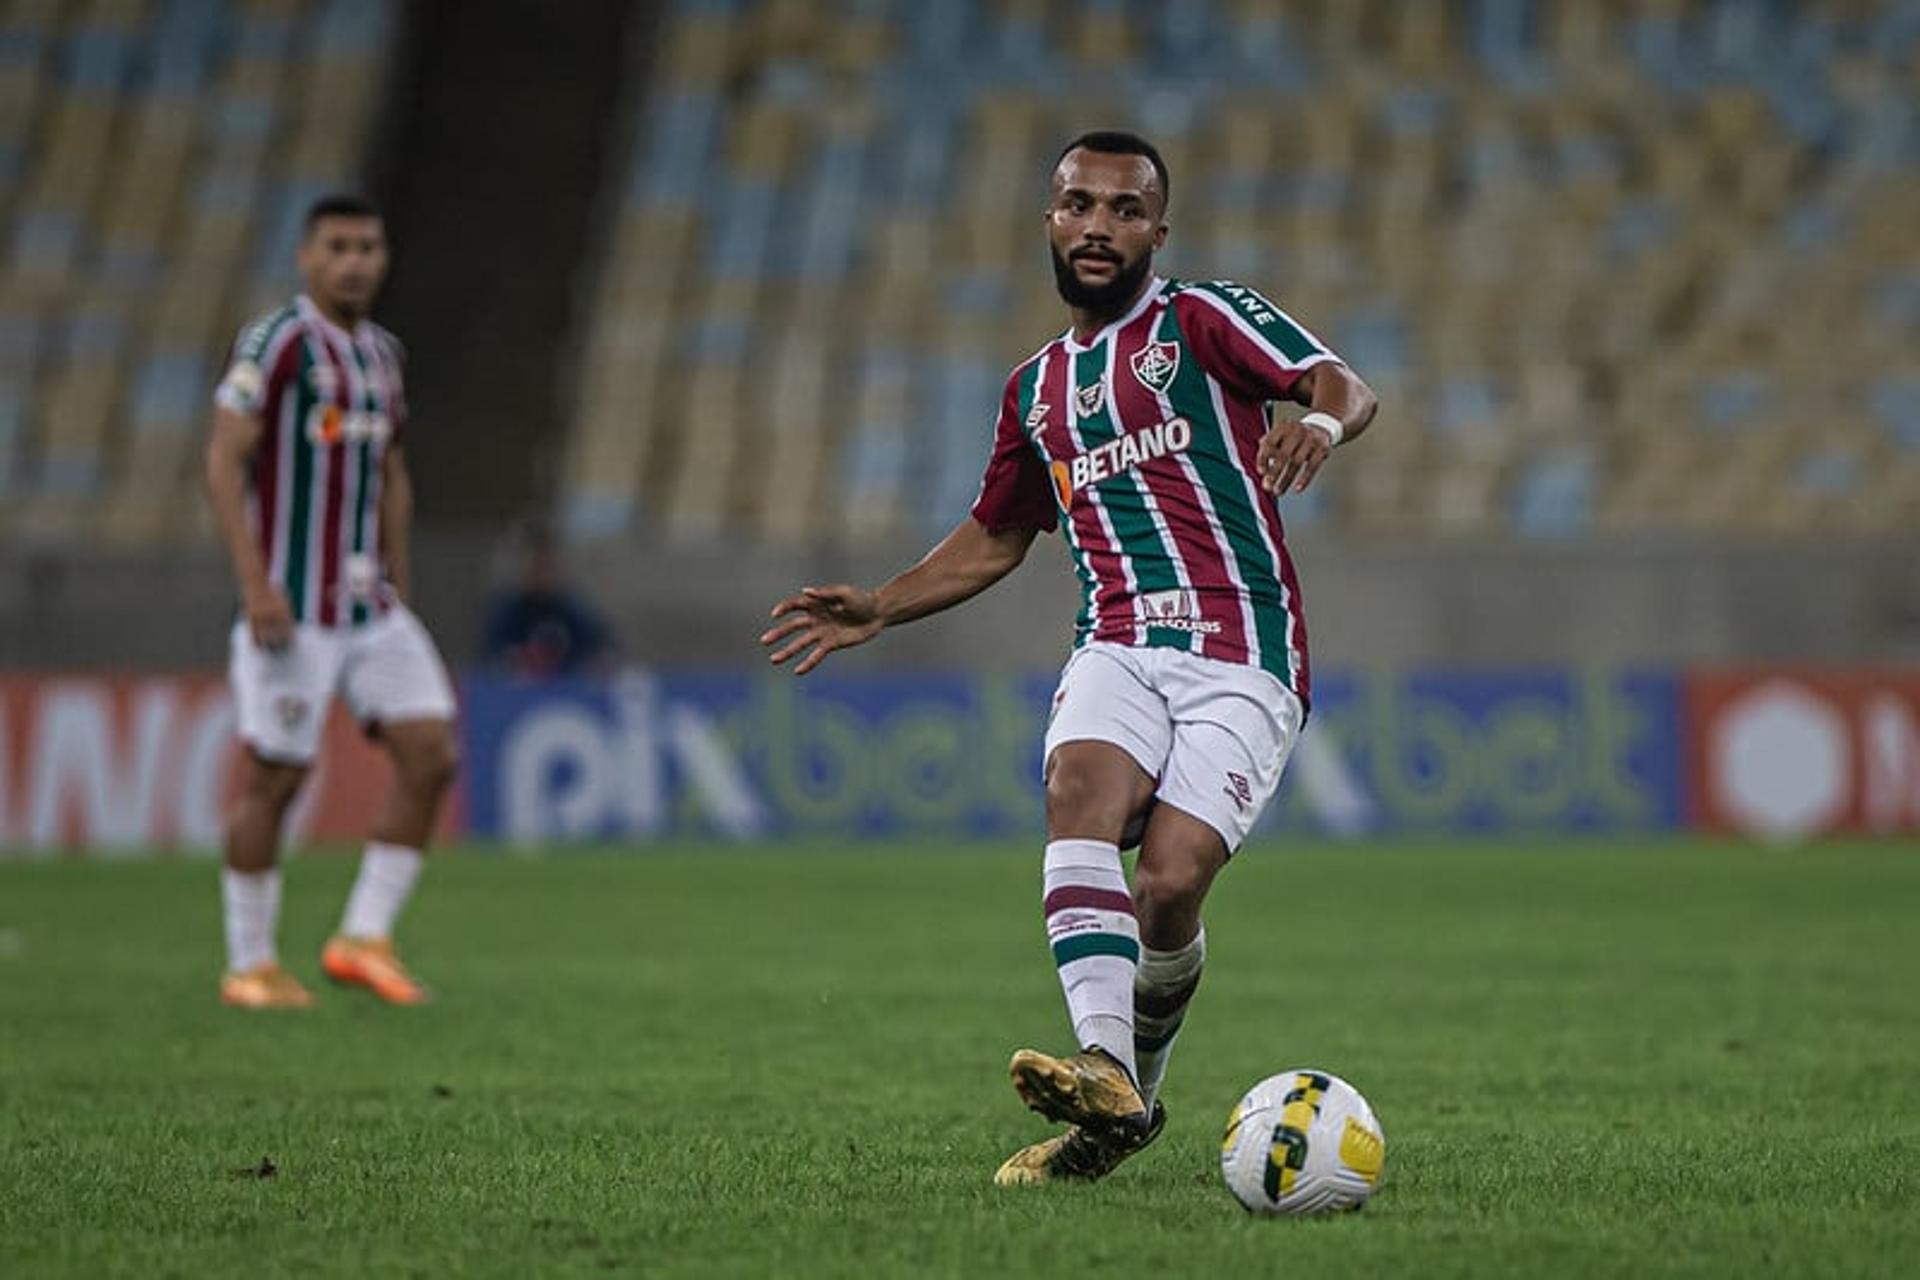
(1302, 1142)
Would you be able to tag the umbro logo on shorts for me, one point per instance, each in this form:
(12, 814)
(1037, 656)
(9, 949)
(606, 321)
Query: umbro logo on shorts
(290, 711)
(1239, 790)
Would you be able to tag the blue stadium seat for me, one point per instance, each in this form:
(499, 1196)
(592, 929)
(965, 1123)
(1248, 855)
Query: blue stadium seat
(1895, 401)
(1554, 495)
(13, 417)
(1558, 233)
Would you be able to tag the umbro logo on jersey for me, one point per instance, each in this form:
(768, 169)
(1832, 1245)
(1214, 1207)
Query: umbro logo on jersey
(1155, 364)
(1037, 416)
(1089, 398)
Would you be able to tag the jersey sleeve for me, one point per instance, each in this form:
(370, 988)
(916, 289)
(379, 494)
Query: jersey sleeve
(393, 363)
(255, 363)
(1246, 341)
(1015, 492)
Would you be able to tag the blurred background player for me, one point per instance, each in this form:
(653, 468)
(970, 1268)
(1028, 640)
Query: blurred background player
(542, 626)
(309, 485)
(1145, 428)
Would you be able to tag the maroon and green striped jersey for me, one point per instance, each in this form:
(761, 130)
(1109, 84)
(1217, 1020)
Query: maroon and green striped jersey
(1142, 442)
(331, 403)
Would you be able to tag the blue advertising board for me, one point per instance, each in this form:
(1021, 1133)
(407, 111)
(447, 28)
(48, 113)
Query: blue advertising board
(741, 755)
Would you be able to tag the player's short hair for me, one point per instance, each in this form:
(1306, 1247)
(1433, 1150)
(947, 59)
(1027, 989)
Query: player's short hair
(338, 204)
(1118, 142)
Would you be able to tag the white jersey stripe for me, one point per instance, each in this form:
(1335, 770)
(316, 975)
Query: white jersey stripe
(283, 485)
(1081, 551)
(1255, 495)
(358, 391)
(1070, 415)
(1192, 473)
(314, 534)
(1182, 575)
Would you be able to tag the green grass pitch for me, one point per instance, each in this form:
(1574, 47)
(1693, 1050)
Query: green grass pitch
(1661, 1059)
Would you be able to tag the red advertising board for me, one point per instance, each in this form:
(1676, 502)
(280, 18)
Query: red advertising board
(149, 762)
(1787, 752)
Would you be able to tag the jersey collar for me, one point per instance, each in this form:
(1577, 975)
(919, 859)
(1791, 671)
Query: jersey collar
(1133, 313)
(311, 310)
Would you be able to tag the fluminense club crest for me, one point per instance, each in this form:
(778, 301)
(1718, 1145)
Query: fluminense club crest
(1156, 363)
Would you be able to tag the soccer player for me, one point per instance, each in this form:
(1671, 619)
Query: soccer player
(1144, 431)
(308, 480)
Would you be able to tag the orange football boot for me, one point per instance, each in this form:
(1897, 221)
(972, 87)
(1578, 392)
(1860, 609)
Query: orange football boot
(266, 987)
(372, 963)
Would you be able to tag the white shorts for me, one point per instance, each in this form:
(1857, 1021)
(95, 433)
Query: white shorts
(1213, 735)
(387, 670)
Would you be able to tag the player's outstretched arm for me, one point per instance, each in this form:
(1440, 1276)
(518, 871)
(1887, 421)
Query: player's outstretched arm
(822, 619)
(1339, 407)
(235, 436)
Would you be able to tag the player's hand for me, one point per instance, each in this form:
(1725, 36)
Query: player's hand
(1291, 455)
(820, 620)
(269, 618)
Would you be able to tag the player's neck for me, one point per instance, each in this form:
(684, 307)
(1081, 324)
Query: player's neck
(334, 315)
(1088, 321)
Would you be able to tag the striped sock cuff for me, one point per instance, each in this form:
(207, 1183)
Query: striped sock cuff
(1163, 985)
(1147, 1040)
(1166, 979)
(1088, 909)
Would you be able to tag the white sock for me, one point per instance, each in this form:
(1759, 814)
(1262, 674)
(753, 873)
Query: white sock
(1162, 987)
(1095, 941)
(387, 873)
(250, 901)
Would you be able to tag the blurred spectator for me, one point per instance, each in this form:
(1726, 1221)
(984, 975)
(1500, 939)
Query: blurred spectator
(540, 628)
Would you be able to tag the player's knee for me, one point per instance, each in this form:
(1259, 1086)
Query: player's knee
(434, 763)
(272, 786)
(1169, 884)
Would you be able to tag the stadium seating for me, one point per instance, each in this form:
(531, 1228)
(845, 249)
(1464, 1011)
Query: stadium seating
(1620, 265)
(155, 159)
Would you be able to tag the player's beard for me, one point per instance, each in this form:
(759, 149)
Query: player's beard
(355, 305)
(1100, 299)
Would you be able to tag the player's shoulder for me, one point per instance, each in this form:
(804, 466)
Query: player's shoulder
(1228, 294)
(267, 332)
(1031, 364)
(388, 341)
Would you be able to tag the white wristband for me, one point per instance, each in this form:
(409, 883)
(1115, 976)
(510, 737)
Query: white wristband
(1335, 429)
